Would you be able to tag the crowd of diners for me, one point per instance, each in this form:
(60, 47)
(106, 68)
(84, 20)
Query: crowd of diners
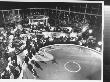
(18, 38)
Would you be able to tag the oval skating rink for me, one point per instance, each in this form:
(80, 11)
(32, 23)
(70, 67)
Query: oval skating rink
(88, 63)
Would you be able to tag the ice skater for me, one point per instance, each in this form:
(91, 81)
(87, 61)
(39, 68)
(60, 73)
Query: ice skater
(36, 64)
(54, 61)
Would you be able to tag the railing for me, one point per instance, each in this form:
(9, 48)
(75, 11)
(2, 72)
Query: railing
(69, 10)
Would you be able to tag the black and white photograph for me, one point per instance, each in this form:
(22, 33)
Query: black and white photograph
(51, 40)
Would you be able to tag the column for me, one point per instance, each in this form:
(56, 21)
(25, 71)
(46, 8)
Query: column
(46, 21)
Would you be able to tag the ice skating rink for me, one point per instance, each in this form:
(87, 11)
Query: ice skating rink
(88, 60)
